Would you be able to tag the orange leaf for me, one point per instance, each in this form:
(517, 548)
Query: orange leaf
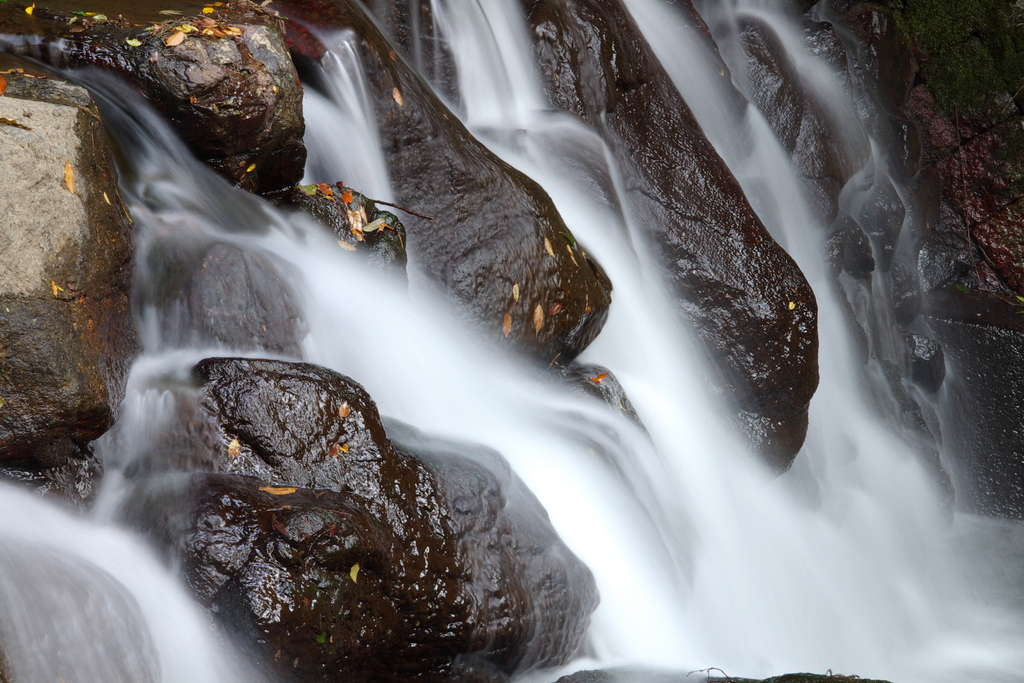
(343, 410)
(278, 490)
(538, 319)
(555, 309)
(597, 380)
(3, 85)
(69, 176)
(325, 189)
(346, 196)
(396, 94)
(333, 450)
(506, 324)
(175, 38)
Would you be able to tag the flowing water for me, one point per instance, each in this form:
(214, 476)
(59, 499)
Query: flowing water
(848, 562)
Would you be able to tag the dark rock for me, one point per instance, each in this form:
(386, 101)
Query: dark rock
(74, 481)
(854, 255)
(359, 223)
(926, 364)
(599, 382)
(742, 294)
(980, 178)
(881, 213)
(221, 294)
(1001, 239)
(905, 290)
(886, 54)
(493, 228)
(947, 253)
(66, 333)
(415, 559)
(634, 675)
(982, 337)
(229, 88)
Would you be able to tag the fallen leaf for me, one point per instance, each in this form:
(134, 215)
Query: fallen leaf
(207, 10)
(354, 573)
(234, 448)
(233, 31)
(307, 189)
(3, 85)
(343, 448)
(30, 10)
(133, 42)
(568, 238)
(2, 402)
(69, 176)
(175, 38)
(169, 11)
(99, 17)
(186, 28)
(251, 168)
(278, 490)
(515, 292)
(346, 196)
(344, 410)
(548, 248)
(393, 55)
(555, 309)
(792, 305)
(506, 324)
(12, 122)
(597, 380)
(538, 319)
(55, 288)
(106, 199)
(334, 451)
(572, 256)
(325, 189)
(397, 95)
(346, 246)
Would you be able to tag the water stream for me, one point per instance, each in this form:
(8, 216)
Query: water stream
(846, 563)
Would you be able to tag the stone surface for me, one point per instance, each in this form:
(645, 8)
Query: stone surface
(66, 333)
(359, 223)
(393, 555)
(743, 295)
(493, 228)
(228, 87)
(634, 675)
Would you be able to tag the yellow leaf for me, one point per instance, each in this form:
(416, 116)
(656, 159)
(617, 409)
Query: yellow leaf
(572, 255)
(278, 490)
(548, 248)
(207, 10)
(29, 10)
(2, 402)
(792, 305)
(346, 246)
(397, 95)
(186, 28)
(134, 42)
(343, 448)
(538, 319)
(106, 198)
(234, 448)
(354, 573)
(69, 176)
(344, 410)
(175, 38)
(55, 288)
(506, 324)
(515, 292)
(252, 167)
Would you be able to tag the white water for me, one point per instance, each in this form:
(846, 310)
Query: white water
(845, 563)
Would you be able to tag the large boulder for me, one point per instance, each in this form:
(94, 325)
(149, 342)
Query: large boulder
(392, 555)
(66, 332)
(743, 295)
(496, 245)
(224, 80)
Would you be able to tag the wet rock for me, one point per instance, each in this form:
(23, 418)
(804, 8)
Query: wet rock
(926, 364)
(227, 85)
(742, 294)
(887, 54)
(905, 289)
(599, 382)
(494, 231)
(74, 481)
(881, 213)
(634, 675)
(1001, 241)
(221, 294)
(852, 249)
(947, 253)
(66, 333)
(358, 223)
(980, 178)
(417, 558)
(982, 338)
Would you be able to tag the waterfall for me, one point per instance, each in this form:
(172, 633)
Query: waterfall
(845, 563)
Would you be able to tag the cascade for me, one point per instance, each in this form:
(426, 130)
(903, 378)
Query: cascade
(703, 559)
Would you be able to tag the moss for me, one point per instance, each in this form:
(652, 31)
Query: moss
(973, 50)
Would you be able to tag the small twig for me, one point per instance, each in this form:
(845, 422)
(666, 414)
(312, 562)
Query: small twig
(90, 112)
(708, 672)
(960, 154)
(1012, 99)
(402, 208)
(14, 124)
